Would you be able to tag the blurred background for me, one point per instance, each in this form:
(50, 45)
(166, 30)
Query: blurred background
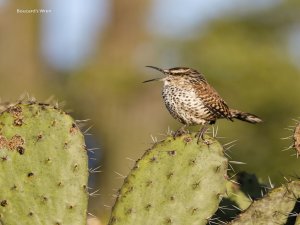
(92, 55)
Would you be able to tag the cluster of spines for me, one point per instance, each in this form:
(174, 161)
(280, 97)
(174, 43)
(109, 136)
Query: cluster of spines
(295, 137)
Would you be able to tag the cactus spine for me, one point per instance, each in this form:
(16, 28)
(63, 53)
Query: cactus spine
(43, 167)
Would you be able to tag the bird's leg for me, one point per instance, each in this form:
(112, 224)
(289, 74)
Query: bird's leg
(180, 131)
(201, 132)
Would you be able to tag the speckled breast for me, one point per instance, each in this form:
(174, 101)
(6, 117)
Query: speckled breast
(184, 105)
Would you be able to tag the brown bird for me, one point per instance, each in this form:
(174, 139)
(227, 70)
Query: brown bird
(192, 101)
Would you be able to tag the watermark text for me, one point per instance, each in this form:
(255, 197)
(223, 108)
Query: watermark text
(33, 11)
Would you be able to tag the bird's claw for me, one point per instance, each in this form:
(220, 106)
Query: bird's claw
(180, 132)
(199, 137)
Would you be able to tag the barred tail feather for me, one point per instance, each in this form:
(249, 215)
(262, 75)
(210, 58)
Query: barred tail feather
(247, 117)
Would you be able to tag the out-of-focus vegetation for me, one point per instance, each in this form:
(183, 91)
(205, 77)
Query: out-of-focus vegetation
(245, 57)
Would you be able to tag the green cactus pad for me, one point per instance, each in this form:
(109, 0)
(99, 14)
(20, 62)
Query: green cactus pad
(237, 196)
(273, 208)
(240, 193)
(43, 167)
(176, 182)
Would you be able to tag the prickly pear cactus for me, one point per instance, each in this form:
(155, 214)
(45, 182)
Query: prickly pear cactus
(176, 182)
(43, 167)
(273, 208)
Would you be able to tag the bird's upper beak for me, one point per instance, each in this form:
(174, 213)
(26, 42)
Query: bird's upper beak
(156, 79)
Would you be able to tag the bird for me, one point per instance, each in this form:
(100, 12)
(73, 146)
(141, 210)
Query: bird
(191, 100)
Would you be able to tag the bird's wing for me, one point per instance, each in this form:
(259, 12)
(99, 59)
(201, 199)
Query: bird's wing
(212, 100)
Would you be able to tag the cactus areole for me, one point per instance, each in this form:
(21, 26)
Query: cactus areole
(297, 138)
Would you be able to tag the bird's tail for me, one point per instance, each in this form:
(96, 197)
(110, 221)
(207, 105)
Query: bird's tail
(247, 117)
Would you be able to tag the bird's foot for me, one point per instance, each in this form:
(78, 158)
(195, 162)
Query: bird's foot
(200, 135)
(181, 131)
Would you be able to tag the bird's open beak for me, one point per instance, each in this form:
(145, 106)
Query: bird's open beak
(155, 79)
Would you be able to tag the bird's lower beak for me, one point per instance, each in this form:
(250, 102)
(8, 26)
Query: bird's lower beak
(155, 79)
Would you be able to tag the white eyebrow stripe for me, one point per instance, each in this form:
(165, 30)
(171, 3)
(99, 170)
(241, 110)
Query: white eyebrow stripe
(179, 71)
